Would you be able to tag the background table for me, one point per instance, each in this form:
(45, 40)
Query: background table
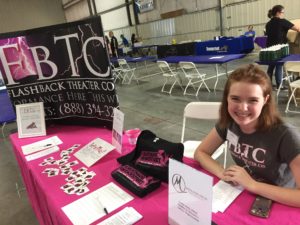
(47, 198)
(261, 41)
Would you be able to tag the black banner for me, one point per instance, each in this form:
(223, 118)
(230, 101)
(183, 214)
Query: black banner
(65, 66)
(176, 50)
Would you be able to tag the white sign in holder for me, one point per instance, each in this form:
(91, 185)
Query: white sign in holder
(31, 120)
(117, 130)
(190, 195)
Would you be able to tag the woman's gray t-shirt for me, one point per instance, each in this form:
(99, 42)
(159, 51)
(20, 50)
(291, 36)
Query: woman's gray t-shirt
(265, 155)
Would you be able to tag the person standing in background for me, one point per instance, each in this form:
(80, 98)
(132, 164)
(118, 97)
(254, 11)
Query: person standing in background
(276, 31)
(113, 44)
(133, 40)
(124, 41)
(107, 44)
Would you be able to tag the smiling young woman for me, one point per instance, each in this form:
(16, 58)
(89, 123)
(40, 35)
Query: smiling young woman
(266, 150)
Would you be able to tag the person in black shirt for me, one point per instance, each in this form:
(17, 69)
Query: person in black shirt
(133, 40)
(113, 44)
(276, 31)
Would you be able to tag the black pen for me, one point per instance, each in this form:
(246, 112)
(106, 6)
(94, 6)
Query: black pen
(47, 145)
(101, 205)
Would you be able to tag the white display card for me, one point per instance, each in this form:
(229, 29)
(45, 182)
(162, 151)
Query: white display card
(117, 130)
(190, 195)
(93, 151)
(31, 120)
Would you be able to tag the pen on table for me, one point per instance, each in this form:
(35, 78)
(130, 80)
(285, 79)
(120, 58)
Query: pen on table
(102, 206)
(47, 145)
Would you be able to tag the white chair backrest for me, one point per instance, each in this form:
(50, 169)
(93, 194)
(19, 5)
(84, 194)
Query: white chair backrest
(189, 68)
(292, 66)
(164, 67)
(187, 65)
(200, 110)
(123, 64)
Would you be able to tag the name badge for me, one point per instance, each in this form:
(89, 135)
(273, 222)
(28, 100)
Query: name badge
(232, 138)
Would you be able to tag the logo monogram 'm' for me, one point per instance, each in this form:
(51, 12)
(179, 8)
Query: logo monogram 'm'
(178, 183)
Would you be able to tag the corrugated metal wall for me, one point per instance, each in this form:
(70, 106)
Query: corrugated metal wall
(77, 11)
(201, 25)
(26, 14)
(236, 17)
(202, 20)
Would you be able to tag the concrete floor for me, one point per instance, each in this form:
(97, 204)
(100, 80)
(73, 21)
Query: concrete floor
(144, 107)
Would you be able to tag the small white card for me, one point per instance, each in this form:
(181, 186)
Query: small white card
(117, 130)
(126, 216)
(87, 209)
(31, 120)
(93, 151)
(42, 153)
(41, 145)
(190, 195)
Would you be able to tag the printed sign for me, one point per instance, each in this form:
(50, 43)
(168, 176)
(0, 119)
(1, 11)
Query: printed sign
(117, 130)
(144, 5)
(65, 66)
(190, 195)
(31, 120)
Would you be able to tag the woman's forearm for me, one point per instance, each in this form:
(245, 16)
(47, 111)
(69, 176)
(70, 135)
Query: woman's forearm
(209, 164)
(287, 196)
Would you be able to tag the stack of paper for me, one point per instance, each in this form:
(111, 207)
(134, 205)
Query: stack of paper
(96, 204)
(223, 195)
(126, 216)
(41, 148)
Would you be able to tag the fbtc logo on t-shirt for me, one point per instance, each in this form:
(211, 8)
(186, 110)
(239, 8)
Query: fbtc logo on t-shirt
(249, 154)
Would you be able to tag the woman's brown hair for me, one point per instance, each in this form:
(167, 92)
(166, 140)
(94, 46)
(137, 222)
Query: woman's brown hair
(272, 12)
(252, 74)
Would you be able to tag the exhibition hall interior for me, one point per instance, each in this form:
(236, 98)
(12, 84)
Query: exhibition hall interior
(104, 105)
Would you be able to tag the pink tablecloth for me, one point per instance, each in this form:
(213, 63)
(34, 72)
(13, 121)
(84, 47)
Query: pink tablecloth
(47, 198)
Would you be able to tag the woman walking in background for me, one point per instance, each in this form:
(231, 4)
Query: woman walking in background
(276, 31)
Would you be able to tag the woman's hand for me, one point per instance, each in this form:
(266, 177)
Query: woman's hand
(238, 176)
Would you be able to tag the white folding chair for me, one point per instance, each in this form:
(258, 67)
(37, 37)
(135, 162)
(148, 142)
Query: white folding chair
(116, 73)
(127, 72)
(168, 74)
(291, 70)
(204, 111)
(295, 85)
(193, 75)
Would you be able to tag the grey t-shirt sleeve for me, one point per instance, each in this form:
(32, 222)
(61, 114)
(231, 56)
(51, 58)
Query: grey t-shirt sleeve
(290, 145)
(221, 132)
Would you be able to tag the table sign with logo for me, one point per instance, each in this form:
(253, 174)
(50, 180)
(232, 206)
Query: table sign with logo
(31, 120)
(117, 130)
(190, 195)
